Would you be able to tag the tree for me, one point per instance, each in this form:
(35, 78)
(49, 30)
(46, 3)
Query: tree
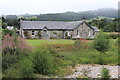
(4, 25)
(102, 23)
(33, 19)
(101, 44)
(3, 19)
(43, 61)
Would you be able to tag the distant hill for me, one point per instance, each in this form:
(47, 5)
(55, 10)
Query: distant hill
(106, 12)
(72, 16)
(11, 16)
(28, 15)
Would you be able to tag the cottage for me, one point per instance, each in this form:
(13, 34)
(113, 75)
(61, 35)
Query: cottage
(57, 29)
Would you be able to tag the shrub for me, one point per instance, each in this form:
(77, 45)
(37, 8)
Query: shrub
(26, 68)
(105, 73)
(43, 61)
(6, 31)
(11, 73)
(101, 44)
(27, 35)
(90, 38)
(8, 60)
(14, 45)
(113, 36)
(13, 49)
(22, 69)
(39, 34)
(54, 32)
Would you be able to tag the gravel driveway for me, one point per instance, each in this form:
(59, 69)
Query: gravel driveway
(94, 71)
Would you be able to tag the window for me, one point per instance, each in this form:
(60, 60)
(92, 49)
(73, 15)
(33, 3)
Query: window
(89, 33)
(93, 33)
(77, 32)
(68, 33)
(32, 32)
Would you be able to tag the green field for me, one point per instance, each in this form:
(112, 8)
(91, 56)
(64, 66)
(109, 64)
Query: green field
(86, 55)
(53, 41)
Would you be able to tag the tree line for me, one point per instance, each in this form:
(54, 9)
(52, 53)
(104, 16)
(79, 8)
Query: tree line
(104, 24)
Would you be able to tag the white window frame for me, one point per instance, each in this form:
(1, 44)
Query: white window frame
(89, 33)
(68, 33)
(78, 34)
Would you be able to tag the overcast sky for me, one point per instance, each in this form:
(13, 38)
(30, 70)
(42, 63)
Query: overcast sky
(52, 6)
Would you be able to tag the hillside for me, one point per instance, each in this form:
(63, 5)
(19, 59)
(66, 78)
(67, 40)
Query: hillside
(71, 16)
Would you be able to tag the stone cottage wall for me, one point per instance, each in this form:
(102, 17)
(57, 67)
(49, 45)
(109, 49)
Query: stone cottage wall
(56, 34)
(83, 31)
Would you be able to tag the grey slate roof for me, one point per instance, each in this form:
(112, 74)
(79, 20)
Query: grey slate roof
(51, 25)
(95, 28)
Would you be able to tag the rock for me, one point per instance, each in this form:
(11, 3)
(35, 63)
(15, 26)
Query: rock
(94, 71)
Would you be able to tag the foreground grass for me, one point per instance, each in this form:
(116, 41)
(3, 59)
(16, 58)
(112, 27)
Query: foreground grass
(67, 56)
(86, 55)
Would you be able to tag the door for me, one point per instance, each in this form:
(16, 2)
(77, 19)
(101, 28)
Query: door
(44, 34)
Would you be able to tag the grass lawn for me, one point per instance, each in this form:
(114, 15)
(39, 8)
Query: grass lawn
(108, 33)
(51, 41)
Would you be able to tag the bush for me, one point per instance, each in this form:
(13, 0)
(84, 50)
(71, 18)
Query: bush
(27, 35)
(101, 43)
(105, 73)
(113, 36)
(11, 73)
(54, 32)
(22, 69)
(43, 61)
(14, 48)
(8, 60)
(39, 34)
(14, 45)
(6, 31)
(26, 68)
(90, 38)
